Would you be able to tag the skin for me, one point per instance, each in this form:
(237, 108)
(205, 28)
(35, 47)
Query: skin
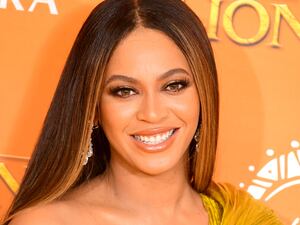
(142, 186)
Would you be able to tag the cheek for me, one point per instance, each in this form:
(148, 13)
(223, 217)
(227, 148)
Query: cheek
(186, 106)
(115, 115)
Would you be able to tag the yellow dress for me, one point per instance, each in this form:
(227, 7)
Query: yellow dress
(227, 205)
(213, 209)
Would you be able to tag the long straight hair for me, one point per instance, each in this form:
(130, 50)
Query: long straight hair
(56, 164)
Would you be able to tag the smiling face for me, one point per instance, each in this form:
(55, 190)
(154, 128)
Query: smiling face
(149, 106)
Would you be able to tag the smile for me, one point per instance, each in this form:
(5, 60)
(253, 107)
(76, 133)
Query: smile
(154, 139)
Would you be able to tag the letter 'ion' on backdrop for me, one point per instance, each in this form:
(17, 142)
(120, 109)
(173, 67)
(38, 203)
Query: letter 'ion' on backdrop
(282, 12)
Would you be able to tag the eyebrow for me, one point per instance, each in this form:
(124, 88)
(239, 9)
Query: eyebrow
(134, 81)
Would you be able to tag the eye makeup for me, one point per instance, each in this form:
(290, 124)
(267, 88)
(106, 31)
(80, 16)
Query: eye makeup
(177, 85)
(122, 91)
(173, 87)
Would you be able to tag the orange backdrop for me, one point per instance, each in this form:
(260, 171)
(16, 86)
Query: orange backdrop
(257, 48)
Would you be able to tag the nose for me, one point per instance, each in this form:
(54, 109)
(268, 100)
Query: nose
(152, 109)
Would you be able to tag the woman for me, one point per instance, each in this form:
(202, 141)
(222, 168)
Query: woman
(131, 134)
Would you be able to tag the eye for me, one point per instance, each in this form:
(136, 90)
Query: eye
(123, 92)
(177, 86)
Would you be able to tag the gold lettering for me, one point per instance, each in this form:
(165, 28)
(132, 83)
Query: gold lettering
(213, 20)
(282, 11)
(263, 17)
(8, 178)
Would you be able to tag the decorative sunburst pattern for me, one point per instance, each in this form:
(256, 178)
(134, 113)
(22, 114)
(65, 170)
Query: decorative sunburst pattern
(284, 169)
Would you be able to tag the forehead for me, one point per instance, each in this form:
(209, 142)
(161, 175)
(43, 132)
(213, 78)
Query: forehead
(146, 51)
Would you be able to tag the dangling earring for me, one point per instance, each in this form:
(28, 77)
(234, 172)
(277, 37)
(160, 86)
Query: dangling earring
(90, 151)
(196, 149)
(197, 139)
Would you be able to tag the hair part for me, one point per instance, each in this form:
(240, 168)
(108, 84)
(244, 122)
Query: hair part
(56, 164)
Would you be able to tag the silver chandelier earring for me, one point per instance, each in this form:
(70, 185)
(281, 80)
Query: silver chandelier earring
(197, 138)
(90, 151)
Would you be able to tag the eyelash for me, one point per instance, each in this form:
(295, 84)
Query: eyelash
(179, 85)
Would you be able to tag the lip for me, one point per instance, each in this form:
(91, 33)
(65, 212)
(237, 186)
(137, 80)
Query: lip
(154, 131)
(156, 147)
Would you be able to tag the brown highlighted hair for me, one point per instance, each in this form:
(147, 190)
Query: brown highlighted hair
(56, 165)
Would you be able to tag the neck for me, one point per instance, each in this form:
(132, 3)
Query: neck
(169, 191)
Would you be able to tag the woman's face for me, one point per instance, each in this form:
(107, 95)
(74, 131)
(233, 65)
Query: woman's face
(149, 106)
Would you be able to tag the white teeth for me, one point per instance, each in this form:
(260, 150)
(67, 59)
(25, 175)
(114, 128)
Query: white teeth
(155, 139)
(158, 138)
(152, 139)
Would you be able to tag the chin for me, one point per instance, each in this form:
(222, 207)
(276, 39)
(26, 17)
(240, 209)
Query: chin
(159, 166)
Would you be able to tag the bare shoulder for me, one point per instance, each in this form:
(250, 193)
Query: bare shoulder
(74, 207)
(48, 214)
